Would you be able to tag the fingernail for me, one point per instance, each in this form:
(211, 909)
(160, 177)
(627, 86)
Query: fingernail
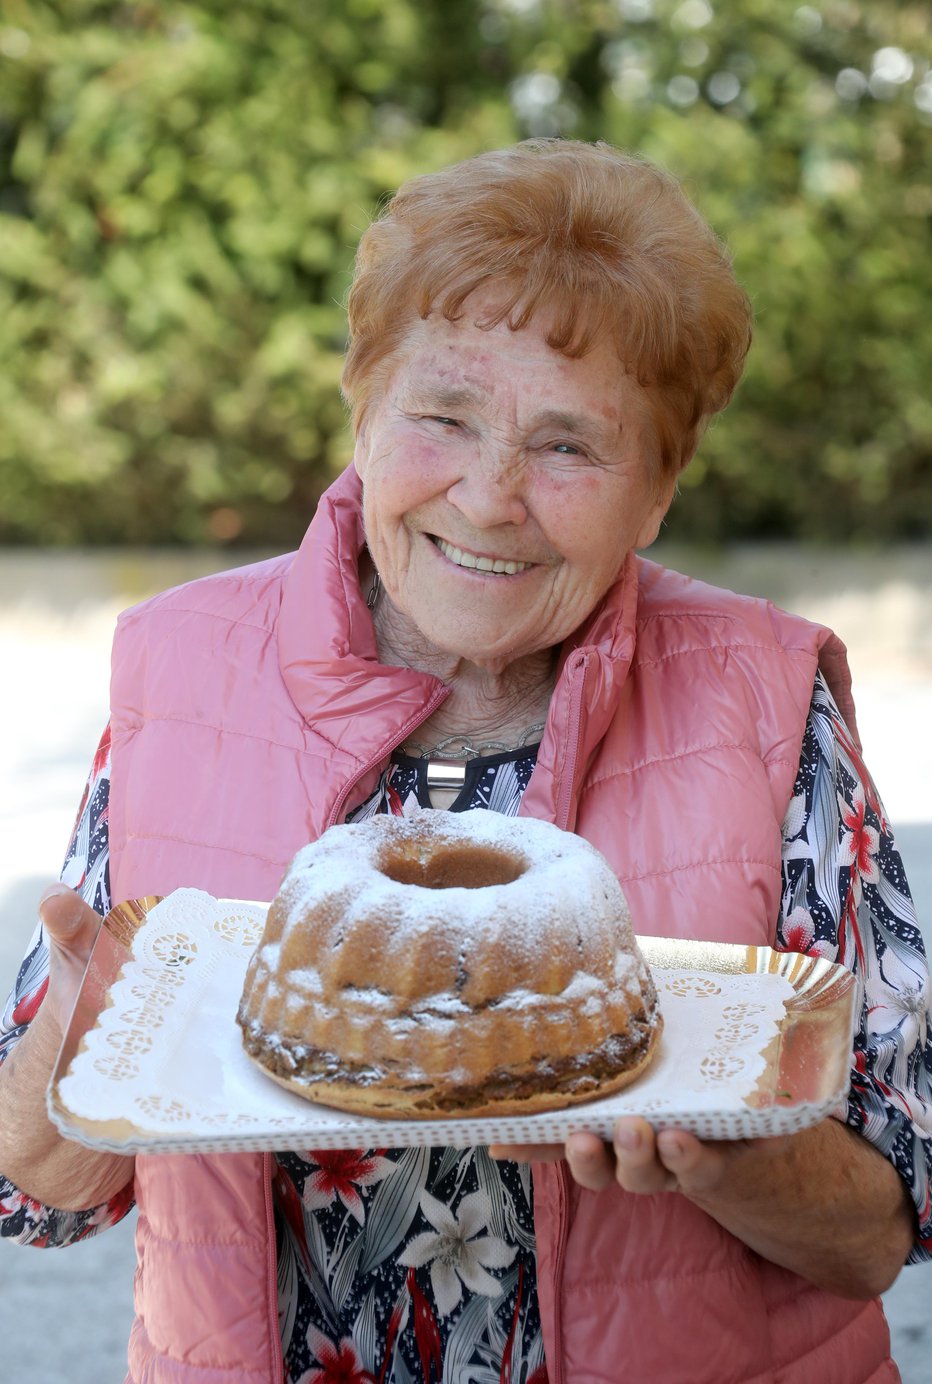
(54, 891)
(59, 891)
(671, 1146)
(582, 1155)
(629, 1140)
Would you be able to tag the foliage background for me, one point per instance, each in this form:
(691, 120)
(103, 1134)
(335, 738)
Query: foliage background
(182, 186)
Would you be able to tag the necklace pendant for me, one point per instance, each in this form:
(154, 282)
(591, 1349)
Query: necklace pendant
(446, 773)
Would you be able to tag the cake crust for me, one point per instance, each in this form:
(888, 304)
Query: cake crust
(505, 1092)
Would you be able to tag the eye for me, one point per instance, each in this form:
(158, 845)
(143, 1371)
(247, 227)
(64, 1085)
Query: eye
(445, 422)
(566, 449)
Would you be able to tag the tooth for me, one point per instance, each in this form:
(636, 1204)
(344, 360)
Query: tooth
(498, 565)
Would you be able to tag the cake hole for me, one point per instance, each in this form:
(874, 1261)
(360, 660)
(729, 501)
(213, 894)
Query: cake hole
(453, 867)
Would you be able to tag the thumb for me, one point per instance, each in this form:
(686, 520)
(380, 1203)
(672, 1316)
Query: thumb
(65, 915)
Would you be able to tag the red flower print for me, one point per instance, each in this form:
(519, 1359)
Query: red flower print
(102, 756)
(860, 843)
(798, 930)
(287, 1199)
(99, 767)
(847, 743)
(340, 1172)
(339, 1364)
(426, 1332)
(28, 1006)
(396, 1323)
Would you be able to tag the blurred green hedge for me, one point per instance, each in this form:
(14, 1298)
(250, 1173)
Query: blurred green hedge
(182, 187)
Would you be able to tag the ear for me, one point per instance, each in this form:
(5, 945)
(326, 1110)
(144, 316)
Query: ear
(650, 524)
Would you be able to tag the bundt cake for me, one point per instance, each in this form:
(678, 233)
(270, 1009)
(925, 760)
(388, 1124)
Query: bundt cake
(449, 964)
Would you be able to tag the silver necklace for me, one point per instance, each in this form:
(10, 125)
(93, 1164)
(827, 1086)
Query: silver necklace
(461, 747)
(447, 760)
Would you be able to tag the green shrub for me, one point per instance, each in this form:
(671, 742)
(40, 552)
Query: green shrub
(182, 187)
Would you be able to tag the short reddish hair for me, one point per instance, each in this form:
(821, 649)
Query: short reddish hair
(607, 242)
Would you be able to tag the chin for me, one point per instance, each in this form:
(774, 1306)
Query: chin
(452, 634)
(483, 654)
(476, 651)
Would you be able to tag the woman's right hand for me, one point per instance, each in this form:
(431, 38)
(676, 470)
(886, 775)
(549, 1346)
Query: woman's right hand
(71, 928)
(33, 1154)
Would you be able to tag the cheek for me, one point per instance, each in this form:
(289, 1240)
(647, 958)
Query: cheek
(404, 477)
(575, 506)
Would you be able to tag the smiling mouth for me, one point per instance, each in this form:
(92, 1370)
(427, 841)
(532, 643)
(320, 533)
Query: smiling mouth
(499, 566)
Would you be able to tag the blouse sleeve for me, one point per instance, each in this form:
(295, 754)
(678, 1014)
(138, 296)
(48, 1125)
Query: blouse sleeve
(86, 869)
(845, 897)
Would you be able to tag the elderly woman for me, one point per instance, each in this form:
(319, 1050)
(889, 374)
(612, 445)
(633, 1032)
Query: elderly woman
(538, 338)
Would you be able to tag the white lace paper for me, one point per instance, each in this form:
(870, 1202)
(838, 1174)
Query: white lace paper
(166, 1058)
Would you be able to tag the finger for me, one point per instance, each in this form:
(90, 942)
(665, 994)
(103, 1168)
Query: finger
(527, 1153)
(591, 1160)
(71, 928)
(637, 1165)
(696, 1166)
(702, 1168)
(67, 919)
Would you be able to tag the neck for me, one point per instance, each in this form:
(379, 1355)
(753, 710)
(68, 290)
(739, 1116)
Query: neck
(497, 702)
(493, 708)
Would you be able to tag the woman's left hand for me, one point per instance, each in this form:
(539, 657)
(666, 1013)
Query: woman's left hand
(822, 1202)
(642, 1160)
(668, 1160)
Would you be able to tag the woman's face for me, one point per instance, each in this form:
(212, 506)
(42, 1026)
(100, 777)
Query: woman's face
(503, 485)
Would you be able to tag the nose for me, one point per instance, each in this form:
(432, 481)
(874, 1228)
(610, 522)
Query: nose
(491, 491)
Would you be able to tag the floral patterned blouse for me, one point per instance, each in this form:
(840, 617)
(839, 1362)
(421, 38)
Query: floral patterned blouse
(409, 1264)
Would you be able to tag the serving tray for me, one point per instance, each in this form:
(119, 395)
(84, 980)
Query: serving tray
(756, 1042)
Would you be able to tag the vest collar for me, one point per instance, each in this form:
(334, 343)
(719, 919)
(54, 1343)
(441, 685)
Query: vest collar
(594, 665)
(327, 649)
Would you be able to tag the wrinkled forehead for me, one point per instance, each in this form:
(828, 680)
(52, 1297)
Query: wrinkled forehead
(480, 353)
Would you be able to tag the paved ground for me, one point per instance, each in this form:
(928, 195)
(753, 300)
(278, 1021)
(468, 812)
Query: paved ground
(56, 614)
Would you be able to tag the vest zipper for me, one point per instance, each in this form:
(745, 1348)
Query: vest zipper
(578, 670)
(563, 1233)
(411, 724)
(277, 1361)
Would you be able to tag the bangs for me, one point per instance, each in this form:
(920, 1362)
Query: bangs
(599, 244)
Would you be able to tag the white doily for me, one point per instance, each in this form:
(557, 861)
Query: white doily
(166, 1058)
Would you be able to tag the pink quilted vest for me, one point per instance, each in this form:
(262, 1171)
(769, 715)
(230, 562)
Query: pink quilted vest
(250, 712)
